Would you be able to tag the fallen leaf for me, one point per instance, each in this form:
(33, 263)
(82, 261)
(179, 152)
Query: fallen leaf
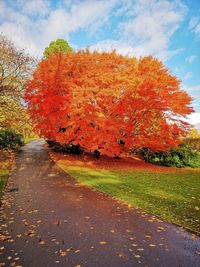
(137, 256)
(152, 245)
(62, 253)
(41, 242)
(31, 233)
(134, 245)
(18, 236)
(102, 242)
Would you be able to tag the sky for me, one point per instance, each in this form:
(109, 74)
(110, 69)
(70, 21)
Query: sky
(167, 29)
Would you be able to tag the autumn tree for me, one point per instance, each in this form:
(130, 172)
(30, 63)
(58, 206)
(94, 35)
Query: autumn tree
(194, 133)
(15, 69)
(107, 102)
(60, 45)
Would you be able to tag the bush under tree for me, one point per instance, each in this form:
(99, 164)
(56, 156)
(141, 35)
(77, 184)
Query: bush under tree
(182, 156)
(9, 139)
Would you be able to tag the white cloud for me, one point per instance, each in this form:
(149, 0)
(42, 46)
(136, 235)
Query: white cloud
(190, 59)
(194, 91)
(120, 46)
(152, 25)
(148, 30)
(194, 88)
(187, 76)
(193, 22)
(194, 25)
(194, 119)
(147, 27)
(34, 8)
(35, 34)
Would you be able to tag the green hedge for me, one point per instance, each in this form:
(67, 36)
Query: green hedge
(181, 157)
(9, 139)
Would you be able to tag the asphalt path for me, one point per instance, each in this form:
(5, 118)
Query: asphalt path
(49, 219)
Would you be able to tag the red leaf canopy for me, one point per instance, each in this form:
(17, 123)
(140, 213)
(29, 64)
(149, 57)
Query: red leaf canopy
(107, 102)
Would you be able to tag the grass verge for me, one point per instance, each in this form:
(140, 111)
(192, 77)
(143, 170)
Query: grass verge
(6, 160)
(170, 193)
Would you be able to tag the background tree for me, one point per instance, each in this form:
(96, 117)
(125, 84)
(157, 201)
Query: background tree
(60, 45)
(194, 133)
(15, 68)
(107, 102)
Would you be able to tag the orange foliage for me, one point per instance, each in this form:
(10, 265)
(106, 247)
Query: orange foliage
(107, 102)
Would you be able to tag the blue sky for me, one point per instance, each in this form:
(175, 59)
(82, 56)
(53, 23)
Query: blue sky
(166, 29)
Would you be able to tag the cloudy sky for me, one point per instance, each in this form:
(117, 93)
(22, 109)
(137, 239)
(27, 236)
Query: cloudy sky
(166, 29)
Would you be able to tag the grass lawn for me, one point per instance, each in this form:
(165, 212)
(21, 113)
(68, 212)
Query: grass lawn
(173, 194)
(6, 160)
(3, 179)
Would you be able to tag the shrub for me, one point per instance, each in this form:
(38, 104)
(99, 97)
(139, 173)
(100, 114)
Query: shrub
(68, 148)
(181, 157)
(9, 139)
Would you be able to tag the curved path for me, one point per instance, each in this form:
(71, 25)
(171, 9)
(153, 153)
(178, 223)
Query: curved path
(47, 219)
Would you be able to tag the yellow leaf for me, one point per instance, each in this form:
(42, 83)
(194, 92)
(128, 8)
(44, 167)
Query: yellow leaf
(152, 245)
(102, 242)
(140, 249)
(196, 208)
(134, 245)
(137, 256)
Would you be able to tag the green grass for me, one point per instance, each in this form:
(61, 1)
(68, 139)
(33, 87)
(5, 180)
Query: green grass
(3, 180)
(172, 195)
